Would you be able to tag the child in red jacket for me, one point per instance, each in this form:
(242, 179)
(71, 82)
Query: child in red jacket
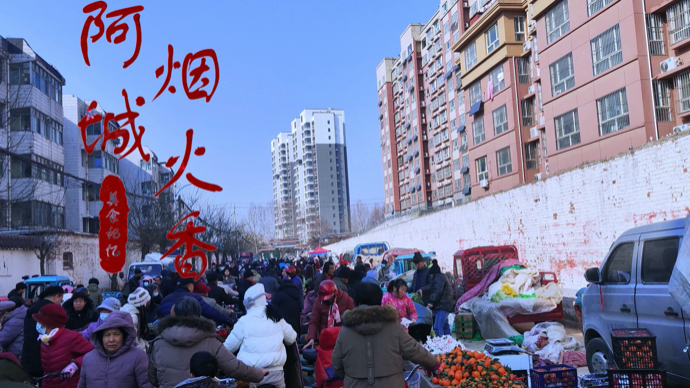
(323, 370)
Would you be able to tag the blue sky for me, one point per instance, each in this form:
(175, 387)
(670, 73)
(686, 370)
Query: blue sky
(276, 59)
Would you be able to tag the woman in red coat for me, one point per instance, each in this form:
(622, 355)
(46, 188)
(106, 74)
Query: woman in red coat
(62, 349)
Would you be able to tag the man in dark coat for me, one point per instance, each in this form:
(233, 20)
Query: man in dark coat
(169, 284)
(287, 301)
(132, 284)
(185, 288)
(440, 299)
(326, 274)
(19, 290)
(218, 293)
(421, 281)
(31, 351)
(244, 284)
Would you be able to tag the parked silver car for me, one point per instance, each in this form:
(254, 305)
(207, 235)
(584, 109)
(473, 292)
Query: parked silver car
(630, 290)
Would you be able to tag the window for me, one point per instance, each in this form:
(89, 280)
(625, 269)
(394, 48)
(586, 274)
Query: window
(612, 111)
(523, 70)
(466, 159)
(20, 73)
(482, 172)
(94, 129)
(20, 119)
(532, 155)
(619, 264)
(478, 130)
(519, 22)
(500, 120)
(557, 21)
(492, 38)
(527, 108)
(466, 180)
(678, 19)
(562, 77)
(662, 99)
(95, 160)
(606, 50)
(67, 262)
(594, 6)
(503, 158)
(567, 129)
(470, 56)
(658, 259)
(682, 85)
(655, 34)
(497, 80)
(475, 93)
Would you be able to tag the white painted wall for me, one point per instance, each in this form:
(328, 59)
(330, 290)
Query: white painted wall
(564, 224)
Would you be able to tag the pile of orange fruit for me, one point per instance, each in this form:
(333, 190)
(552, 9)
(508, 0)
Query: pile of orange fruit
(466, 368)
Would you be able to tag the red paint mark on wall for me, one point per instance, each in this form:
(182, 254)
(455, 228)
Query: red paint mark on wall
(555, 216)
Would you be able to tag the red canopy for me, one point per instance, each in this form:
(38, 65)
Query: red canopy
(318, 251)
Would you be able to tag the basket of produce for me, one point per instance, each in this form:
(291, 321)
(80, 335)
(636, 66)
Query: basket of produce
(554, 376)
(634, 349)
(465, 368)
(637, 378)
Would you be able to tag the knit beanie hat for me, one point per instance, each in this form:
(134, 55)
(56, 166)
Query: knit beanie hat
(255, 296)
(434, 269)
(51, 315)
(201, 288)
(247, 274)
(139, 297)
(110, 304)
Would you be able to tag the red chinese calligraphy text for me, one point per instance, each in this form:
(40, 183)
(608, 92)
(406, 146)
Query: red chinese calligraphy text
(116, 27)
(194, 88)
(191, 178)
(129, 116)
(186, 237)
(112, 236)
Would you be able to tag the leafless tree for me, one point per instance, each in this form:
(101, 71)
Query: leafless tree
(47, 244)
(149, 220)
(360, 217)
(259, 224)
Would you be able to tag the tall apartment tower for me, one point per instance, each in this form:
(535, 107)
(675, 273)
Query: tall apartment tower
(419, 112)
(283, 203)
(515, 90)
(32, 184)
(315, 169)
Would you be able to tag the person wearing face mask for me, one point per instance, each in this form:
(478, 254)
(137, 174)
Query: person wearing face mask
(31, 350)
(80, 311)
(104, 310)
(146, 281)
(115, 360)
(62, 350)
(155, 293)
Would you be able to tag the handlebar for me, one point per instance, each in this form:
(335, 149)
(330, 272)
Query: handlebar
(54, 374)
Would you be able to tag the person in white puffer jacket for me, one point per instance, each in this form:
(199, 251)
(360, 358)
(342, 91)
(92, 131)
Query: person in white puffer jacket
(261, 337)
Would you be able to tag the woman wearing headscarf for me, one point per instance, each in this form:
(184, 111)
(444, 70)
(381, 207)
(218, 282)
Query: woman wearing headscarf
(12, 314)
(80, 311)
(137, 302)
(62, 350)
(115, 361)
(261, 337)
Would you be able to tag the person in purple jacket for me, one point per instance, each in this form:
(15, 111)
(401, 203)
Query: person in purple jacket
(104, 310)
(115, 361)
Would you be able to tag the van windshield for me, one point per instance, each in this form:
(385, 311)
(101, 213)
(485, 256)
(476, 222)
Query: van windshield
(152, 270)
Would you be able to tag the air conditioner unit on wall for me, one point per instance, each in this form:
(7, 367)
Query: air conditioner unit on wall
(526, 46)
(681, 128)
(669, 64)
(484, 183)
(533, 132)
(530, 90)
(537, 177)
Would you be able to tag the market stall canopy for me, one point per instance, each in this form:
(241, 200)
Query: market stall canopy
(318, 251)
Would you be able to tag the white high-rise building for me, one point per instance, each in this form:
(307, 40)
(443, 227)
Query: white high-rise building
(318, 184)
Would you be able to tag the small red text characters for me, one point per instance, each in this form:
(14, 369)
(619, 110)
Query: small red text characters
(193, 68)
(116, 27)
(186, 237)
(112, 236)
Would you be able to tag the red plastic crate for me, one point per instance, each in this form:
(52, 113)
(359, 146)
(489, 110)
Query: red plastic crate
(637, 378)
(553, 376)
(476, 262)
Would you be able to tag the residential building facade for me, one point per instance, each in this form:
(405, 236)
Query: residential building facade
(282, 163)
(32, 185)
(420, 108)
(85, 172)
(542, 87)
(319, 186)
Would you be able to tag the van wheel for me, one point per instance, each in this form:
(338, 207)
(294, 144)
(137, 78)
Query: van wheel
(599, 356)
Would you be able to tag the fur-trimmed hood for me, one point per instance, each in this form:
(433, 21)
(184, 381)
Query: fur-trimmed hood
(369, 320)
(185, 331)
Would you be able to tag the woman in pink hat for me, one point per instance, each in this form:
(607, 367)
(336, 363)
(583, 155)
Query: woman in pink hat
(62, 349)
